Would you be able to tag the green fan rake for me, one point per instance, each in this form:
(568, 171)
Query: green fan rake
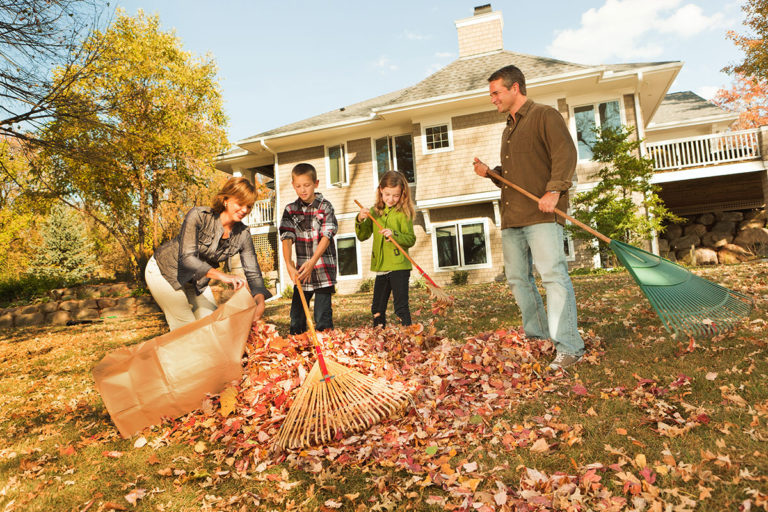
(685, 302)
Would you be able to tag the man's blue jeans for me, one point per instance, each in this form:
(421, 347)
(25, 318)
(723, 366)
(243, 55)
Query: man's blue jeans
(542, 244)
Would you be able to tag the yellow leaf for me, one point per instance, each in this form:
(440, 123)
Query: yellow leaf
(640, 460)
(621, 431)
(540, 446)
(591, 411)
(228, 401)
(200, 447)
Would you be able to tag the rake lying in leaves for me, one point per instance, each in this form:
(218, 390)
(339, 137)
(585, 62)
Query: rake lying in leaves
(441, 298)
(335, 400)
(685, 302)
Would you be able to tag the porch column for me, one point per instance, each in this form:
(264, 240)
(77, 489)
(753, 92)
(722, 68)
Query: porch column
(763, 140)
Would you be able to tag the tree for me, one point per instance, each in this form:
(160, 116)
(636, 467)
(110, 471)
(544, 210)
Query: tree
(163, 128)
(65, 252)
(624, 205)
(754, 45)
(749, 97)
(35, 37)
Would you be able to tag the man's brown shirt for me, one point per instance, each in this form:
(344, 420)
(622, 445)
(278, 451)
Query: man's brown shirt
(538, 154)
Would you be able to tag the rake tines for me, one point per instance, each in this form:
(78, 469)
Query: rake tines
(347, 402)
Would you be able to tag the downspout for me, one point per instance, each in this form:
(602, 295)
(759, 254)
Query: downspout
(280, 264)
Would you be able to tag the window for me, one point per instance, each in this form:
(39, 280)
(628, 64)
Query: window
(348, 256)
(394, 153)
(437, 138)
(568, 246)
(461, 244)
(589, 117)
(336, 163)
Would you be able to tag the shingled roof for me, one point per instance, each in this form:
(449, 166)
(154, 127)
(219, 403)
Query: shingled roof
(679, 107)
(461, 76)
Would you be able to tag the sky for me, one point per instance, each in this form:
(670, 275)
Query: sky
(281, 62)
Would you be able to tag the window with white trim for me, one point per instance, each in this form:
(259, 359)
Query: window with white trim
(570, 254)
(348, 256)
(437, 138)
(461, 244)
(394, 153)
(336, 164)
(590, 117)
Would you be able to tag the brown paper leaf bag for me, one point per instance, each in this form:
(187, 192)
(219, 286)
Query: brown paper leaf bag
(170, 375)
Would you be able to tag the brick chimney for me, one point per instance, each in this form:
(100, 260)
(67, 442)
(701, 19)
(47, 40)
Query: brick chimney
(481, 33)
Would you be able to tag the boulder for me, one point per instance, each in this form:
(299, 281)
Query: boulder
(117, 311)
(116, 290)
(751, 237)
(147, 309)
(107, 303)
(86, 314)
(685, 242)
(730, 254)
(706, 218)
(663, 245)
(58, 318)
(70, 305)
(6, 320)
(29, 310)
(685, 256)
(673, 231)
(732, 217)
(126, 302)
(751, 223)
(29, 319)
(716, 239)
(695, 229)
(58, 293)
(89, 292)
(724, 226)
(704, 256)
(49, 307)
(756, 215)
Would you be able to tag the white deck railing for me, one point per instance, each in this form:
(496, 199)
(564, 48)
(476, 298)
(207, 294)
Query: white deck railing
(705, 150)
(263, 212)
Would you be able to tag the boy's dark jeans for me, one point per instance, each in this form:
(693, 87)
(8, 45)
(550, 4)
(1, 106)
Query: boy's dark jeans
(323, 310)
(395, 282)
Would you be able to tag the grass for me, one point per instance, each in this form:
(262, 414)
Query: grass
(60, 451)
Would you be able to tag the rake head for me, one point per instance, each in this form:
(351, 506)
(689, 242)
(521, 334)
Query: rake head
(325, 410)
(685, 302)
(439, 296)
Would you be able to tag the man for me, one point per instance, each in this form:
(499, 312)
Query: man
(538, 154)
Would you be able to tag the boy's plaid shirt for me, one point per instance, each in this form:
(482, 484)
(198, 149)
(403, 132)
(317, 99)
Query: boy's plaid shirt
(306, 225)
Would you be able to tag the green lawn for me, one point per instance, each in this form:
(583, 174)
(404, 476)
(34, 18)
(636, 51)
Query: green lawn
(646, 422)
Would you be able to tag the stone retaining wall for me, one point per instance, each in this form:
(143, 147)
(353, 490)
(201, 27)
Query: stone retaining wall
(87, 303)
(717, 238)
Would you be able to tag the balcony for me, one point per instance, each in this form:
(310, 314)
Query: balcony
(705, 150)
(262, 214)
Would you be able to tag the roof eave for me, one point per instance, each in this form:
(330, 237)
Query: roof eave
(727, 117)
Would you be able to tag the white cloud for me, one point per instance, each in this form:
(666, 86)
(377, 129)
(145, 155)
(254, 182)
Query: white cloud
(624, 30)
(707, 91)
(385, 64)
(415, 36)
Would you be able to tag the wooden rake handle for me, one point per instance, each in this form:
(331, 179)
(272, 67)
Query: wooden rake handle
(557, 211)
(405, 253)
(311, 325)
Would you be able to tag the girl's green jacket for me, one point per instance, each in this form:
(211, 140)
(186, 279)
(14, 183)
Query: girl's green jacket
(385, 256)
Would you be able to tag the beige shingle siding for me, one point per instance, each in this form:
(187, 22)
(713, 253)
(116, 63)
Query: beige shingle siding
(480, 38)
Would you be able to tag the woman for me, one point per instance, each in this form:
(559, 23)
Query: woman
(178, 273)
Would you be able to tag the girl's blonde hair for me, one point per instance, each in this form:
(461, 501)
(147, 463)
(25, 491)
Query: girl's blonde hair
(392, 179)
(239, 189)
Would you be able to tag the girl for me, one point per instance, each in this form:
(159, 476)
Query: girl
(394, 211)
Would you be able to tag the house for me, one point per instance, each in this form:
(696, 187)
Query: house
(432, 130)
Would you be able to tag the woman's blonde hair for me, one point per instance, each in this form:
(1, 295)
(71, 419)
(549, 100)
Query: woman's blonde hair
(239, 189)
(392, 179)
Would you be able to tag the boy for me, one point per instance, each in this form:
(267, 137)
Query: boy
(310, 224)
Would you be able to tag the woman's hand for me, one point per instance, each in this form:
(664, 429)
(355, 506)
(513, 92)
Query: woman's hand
(386, 232)
(260, 305)
(363, 214)
(237, 282)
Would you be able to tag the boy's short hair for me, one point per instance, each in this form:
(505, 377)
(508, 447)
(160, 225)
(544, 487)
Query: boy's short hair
(302, 169)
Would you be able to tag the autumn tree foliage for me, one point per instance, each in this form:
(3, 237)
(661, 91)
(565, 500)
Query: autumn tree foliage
(749, 97)
(156, 127)
(754, 43)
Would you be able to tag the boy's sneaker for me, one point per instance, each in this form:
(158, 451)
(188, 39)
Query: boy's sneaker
(563, 361)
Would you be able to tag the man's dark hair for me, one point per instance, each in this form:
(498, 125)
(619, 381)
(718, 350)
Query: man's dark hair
(509, 76)
(302, 169)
